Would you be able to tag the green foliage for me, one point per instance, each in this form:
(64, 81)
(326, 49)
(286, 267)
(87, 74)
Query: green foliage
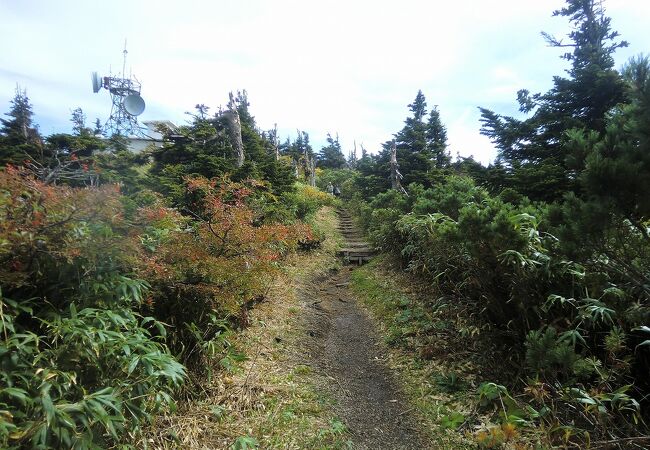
(534, 149)
(81, 367)
(422, 153)
(122, 166)
(245, 443)
(19, 138)
(331, 156)
(436, 134)
(503, 256)
(449, 382)
(546, 354)
(448, 198)
(306, 200)
(203, 148)
(421, 144)
(453, 421)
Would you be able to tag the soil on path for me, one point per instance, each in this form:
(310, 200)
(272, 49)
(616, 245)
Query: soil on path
(348, 353)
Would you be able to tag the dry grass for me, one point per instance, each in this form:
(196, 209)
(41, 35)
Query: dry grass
(270, 397)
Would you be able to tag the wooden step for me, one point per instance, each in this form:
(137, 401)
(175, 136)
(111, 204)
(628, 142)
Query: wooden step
(357, 245)
(357, 251)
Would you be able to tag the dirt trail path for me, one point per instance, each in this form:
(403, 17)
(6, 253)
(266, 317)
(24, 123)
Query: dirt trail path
(349, 354)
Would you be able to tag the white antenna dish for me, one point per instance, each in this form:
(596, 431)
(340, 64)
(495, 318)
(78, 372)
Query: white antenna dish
(133, 104)
(97, 82)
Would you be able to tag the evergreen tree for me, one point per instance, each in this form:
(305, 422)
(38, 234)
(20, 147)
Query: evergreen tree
(19, 138)
(78, 120)
(373, 176)
(436, 134)
(582, 100)
(617, 164)
(199, 148)
(413, 155)
(98, 128)
(204, 148)
(413, 137)
(299, 148)
(331, 156)
(607, 226)
(84, 141)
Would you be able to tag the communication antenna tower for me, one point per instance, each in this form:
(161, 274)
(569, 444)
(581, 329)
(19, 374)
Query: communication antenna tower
(127, 104)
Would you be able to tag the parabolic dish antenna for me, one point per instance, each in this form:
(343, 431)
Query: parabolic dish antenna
(133, 104)
(97, 82)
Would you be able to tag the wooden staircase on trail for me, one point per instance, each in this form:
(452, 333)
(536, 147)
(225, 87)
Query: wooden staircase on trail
(355, 249)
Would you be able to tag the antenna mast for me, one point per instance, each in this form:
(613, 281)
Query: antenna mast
(124, 60)
(127, 104)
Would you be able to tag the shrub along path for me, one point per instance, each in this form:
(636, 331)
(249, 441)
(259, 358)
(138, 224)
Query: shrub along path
(349, 355)
(315, 376)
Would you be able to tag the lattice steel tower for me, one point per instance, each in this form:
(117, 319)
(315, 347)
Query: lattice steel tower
(127, 104)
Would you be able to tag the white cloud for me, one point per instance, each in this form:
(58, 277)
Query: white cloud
(337, 66)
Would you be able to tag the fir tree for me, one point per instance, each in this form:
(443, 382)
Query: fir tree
(19, 138)
(413, 155)
(617, 164)
(436, 134)
(331, 156)
(582, 100)
(413, 137)
(98, 128)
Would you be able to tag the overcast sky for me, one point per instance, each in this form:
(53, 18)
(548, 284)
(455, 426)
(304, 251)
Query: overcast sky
(339, 66)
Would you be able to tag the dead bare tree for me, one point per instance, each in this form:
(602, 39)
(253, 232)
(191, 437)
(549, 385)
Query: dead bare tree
(395, 175)
(311, 163)
(276, 142)
(234, 129)
(352, 156)
(62, 167)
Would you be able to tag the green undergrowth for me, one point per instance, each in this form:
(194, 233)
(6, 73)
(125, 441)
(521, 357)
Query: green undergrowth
(442, 356)
(437, 392)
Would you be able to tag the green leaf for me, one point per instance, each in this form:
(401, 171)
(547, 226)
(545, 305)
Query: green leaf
(244, 443)
(452, 421)
(19, 394)
(133, 364)
(48, 405)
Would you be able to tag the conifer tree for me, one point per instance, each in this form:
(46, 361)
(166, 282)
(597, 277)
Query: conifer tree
(331, 156)
(436, 134)
(617, 164)
(413, 155)
(581, 100)
(19, 138)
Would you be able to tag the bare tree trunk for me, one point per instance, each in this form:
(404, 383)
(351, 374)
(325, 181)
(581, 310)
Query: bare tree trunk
(234, 130)
(312, 171)
(276, 142)
(395, 176)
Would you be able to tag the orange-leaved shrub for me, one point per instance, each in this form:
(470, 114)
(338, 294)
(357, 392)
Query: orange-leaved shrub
(79, 367)
(99, 302)
(207, 264)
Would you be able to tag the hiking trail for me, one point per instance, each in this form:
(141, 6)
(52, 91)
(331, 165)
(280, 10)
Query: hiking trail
(348, 352)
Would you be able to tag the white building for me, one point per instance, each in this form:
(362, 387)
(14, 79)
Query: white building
(152, 135)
